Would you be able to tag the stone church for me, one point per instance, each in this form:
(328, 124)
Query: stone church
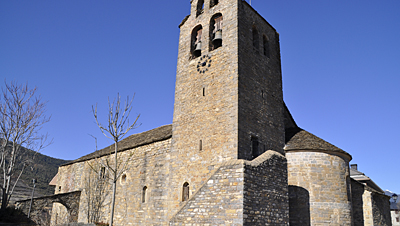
(233, 154)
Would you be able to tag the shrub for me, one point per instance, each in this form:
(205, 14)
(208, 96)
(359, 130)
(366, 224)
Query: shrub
(12, 215)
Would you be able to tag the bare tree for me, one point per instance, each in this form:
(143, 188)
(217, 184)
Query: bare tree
(21, 118)
(95, 188)
(117, 127)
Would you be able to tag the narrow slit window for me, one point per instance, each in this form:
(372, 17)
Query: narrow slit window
(266, 46)
(204, 92)
(256, 44)
(201, 145)
(59, 188)
(185, 192)
(144, 191)
(254, 147)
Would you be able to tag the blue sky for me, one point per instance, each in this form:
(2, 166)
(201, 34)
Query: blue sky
(340, 64)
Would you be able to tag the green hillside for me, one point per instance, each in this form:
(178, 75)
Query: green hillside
(42, 168)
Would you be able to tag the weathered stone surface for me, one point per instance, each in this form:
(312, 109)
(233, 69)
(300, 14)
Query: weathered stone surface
(218, 111)
(148, 167)
(240, 192)
(219, 201)
(41, 209)
(381, 209)
(325, 176)
(266, 190)
(357, 191)
(260, 97)
(370, 207)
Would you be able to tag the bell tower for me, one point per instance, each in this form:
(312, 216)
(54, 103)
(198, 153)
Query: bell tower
(228, 94)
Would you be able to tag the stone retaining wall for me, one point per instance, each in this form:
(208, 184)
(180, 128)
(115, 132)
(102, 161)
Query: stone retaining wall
(241, 193)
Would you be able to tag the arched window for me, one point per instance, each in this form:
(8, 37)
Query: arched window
(216, 31)
(196, 44)
(213, 3)
(266, 45)
(144, 191)
(123, 178)
(185, 192)
(255, 39)
(200, 7)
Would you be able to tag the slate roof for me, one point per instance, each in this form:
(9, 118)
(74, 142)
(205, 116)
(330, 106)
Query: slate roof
(362, 178)
(133, 141)
(394, 206)
(295, 139)
(299, 139)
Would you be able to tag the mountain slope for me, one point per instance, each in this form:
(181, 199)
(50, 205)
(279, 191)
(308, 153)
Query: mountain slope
(42, 168)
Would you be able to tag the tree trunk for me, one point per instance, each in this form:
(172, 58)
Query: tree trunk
(113, 202)
(4, 199)
(114, 184)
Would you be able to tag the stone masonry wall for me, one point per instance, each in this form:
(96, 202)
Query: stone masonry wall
(266, 191)
(148, 167)
(42, 207)
(325, 177)
(260, 85)
(223, 97)
(357, 191)
(240, 193)
(205, 118)
(381, 209)
(369, 206)
(218, 202)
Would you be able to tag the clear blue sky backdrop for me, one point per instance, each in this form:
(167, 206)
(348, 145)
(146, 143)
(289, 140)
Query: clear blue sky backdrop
(340, 63)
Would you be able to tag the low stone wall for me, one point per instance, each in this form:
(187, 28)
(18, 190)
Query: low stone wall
(41, 209)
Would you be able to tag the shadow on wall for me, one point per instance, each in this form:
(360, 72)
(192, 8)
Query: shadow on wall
(299, 206)
(357, 191)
